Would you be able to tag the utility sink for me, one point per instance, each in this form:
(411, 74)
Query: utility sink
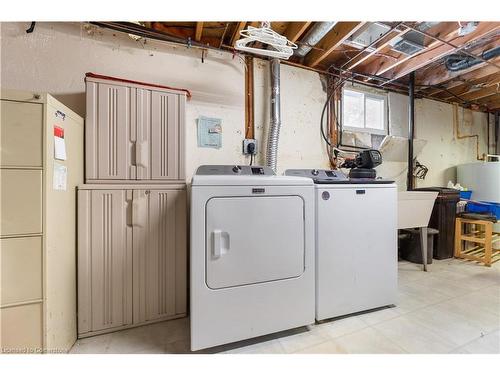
(415, 208)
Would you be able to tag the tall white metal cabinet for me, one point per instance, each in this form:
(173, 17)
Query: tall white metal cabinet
(132, 246)
(38, 223)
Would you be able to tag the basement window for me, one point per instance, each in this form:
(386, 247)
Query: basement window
(364, 111)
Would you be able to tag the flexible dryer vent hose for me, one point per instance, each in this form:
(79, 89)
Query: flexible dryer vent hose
(274, 131)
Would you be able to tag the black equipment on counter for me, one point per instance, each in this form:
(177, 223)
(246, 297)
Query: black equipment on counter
(364, 163)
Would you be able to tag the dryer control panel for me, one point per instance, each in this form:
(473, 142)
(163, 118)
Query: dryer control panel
(235, 170)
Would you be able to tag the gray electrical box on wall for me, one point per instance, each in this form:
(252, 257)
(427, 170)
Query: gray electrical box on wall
(249, 146)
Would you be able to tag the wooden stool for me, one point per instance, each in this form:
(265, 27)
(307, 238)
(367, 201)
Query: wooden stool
(484, 237)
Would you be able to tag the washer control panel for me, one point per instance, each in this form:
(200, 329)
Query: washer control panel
(235, 170)
(319, 175)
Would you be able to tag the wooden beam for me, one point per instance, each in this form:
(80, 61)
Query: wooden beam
(440, 50)
(381, 44)
(441, 75)
(466, 87)
(445, 30)
(492, 102)
(198, 31)
(494, 106)
(236, 34)
(295, 30)
(331, 41)
(455, 81)
(481, 93)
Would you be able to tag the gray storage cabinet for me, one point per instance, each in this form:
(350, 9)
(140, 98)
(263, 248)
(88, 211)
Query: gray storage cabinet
(133, 133)
(132, 255)
(132, 247)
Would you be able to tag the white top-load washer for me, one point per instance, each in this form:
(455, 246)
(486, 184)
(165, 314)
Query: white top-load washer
(356, 242)
(252, 254)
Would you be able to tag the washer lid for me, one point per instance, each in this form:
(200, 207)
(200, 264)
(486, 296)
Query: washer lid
(333, 177)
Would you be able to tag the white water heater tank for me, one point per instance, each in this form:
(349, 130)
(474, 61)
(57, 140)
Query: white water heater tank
(483, 178)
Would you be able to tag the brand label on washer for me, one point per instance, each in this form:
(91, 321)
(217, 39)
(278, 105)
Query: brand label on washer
(258, 190)
(325, 195)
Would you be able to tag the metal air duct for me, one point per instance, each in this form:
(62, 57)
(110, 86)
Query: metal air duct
(274, 129)
(313, 36)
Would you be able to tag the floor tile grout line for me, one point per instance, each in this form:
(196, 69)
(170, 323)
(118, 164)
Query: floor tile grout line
(475, 339)
(305, 347)
(346, 334)
(420, 325)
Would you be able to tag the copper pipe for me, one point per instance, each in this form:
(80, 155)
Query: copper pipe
(249, 96)
(460, 136)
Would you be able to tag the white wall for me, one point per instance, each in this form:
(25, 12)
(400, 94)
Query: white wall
(434, 122)
(56, 57)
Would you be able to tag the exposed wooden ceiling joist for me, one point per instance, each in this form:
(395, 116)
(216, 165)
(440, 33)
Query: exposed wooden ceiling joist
(492, 102)
(198, 31)
(464, 88)
(380, 66)
(295, 30)
(236, 33)
(331, 41)
(378, 62)
(439, 50)
(481, 93)
(381, 44)
(440, 75)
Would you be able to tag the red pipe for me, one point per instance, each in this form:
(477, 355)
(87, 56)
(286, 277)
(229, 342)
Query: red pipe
(93, 75)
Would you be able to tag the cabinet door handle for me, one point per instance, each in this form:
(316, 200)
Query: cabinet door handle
(141, 154)
(136, 212)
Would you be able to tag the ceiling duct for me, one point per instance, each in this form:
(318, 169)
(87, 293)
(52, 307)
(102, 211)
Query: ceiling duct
(368, 34)
(413, 41)
(457, 61)
(313, 36)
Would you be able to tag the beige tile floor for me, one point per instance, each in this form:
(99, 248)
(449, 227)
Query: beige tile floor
(453, 308)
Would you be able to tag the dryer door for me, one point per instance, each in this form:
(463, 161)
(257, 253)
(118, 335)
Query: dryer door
(252, 240)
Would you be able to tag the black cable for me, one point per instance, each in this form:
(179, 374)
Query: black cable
(328, 99)
(339, 126)
(251, 159)
(420, 170)
(31, 28)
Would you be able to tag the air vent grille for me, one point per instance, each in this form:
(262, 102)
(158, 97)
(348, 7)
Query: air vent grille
(407, 47)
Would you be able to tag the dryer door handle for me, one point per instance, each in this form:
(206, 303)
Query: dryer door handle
(219, 239)
(217, 243)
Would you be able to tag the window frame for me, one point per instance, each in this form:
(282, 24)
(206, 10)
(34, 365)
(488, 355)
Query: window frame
(366, 94)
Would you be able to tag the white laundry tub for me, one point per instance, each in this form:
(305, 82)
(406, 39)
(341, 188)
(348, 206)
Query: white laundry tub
(415, 208)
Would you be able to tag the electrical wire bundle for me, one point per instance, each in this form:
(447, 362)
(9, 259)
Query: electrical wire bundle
(420, 170)
(333, 150)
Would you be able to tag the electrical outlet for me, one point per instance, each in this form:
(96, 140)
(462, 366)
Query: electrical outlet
(246, 143)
